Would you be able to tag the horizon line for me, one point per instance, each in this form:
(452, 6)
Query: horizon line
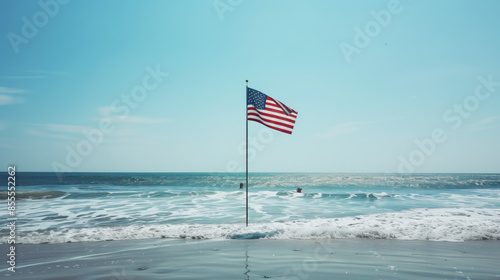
(275, 172)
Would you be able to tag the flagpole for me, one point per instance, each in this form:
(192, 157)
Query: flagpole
(246, 113)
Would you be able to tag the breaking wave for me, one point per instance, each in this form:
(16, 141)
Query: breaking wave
(34, 194)
(447, 224)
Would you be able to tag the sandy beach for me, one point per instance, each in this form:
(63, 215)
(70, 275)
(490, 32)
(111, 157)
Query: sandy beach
(257, 259)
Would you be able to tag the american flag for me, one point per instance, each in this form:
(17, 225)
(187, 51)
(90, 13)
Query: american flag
(269, 111)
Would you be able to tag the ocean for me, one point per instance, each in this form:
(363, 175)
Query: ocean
(210, 206)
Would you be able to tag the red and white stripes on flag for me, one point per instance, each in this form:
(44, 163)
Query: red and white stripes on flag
(270, 112)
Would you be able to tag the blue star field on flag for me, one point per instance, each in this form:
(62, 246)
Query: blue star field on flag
(256, 98)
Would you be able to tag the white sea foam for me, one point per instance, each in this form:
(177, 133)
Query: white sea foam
(444, 224)
(218, 207)
(199, 206)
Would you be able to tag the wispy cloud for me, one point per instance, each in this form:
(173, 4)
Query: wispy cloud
(51, 73)
(11, 77)
(7, 99)
(35, 74)
(43, 133)
(138, 120)
(58, 131)
(349, 127)
(492, 122)
(7, 146)
(489, 120)
(108, 112)
(65, 128)
(75, 132)
(11, 90)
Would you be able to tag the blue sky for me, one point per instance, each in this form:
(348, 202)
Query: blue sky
(379, 86)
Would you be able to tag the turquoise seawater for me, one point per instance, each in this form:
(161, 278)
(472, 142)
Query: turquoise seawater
(120, 206)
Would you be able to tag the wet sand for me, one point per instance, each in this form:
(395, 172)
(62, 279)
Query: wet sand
(256, 259)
